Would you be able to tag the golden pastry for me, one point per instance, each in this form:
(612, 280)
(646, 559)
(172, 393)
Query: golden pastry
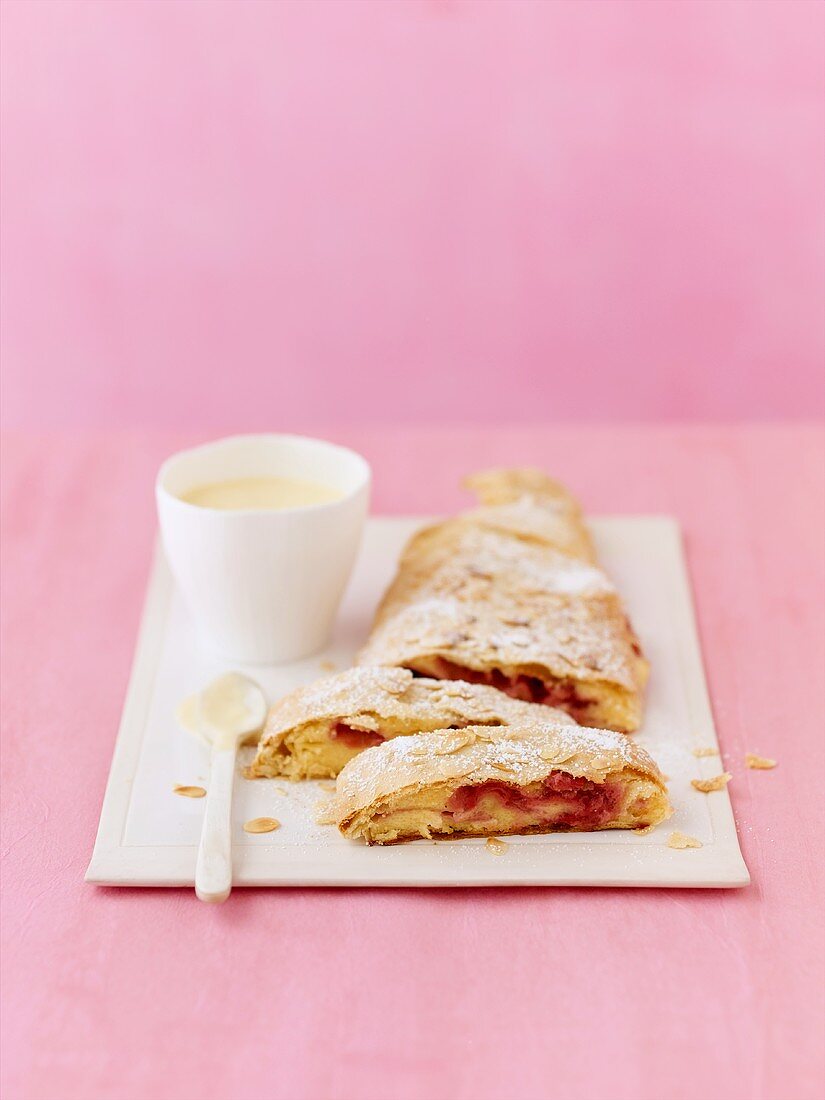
(509, 595)
(495, 781)
(313, 732)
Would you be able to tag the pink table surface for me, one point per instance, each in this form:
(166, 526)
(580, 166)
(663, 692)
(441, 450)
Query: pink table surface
(406, 994)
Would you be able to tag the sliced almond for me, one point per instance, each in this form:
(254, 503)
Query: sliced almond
(188, 792)
(762, 763)
(327, 785)
(453, 742)
(717, 783)
(682, 840)
(261, 825)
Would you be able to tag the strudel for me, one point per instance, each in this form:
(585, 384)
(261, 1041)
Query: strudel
(494, 781)
(509, 595)
(313, 732)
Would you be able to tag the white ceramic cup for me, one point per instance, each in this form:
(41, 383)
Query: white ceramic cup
(263, 586)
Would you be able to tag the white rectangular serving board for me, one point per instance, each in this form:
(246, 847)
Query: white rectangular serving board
(148, 836)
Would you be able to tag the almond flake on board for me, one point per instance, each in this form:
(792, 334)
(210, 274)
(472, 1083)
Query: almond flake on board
(705, 750)
(717, 783)
(682, 840)
(261, 825)
(761, 763)
(188, 792)
(495, 845)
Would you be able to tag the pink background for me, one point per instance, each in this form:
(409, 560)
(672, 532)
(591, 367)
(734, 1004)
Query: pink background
(282, 214)
(381, 220)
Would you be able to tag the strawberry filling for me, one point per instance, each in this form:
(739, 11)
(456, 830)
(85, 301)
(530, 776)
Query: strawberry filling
(565, 801)
(355, 739)
(531, 689)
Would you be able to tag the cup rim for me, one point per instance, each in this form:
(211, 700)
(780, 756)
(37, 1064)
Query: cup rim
(364, 481)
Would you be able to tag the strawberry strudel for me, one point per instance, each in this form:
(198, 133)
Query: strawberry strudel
(509, 595)
(313, 732)
(494, 781)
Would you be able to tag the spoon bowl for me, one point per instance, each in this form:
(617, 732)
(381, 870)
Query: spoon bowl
(230, 708)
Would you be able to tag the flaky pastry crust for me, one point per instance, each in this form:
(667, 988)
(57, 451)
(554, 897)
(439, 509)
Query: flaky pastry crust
(405, 789)
(299, 740)
(509, 594)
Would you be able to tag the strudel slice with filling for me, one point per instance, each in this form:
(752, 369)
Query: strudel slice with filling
(494, 781)
(313, 732)
(509, 595)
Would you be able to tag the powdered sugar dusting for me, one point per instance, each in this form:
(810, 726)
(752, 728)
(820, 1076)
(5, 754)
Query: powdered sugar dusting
(480, 753)
(390, 701)
(491, 597)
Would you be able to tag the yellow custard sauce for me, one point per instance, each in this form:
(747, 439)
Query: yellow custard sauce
(267, 493)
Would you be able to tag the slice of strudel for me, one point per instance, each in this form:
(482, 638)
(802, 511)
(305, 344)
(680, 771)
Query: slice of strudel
(508, 595)
(313, 732)
(494, 781)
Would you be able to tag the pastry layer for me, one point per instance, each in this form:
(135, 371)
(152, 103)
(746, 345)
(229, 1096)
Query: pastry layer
(485, 781)
(313, 732)
(596, 703)
(508, 595)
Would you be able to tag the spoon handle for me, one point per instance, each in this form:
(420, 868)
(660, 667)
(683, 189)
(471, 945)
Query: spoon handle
(213, 870)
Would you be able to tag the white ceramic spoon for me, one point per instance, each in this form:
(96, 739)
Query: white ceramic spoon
(224, 713)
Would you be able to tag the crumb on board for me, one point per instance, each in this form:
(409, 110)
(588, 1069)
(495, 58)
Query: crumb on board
(322, 811)
(327, 784)
(327, 666)
(705, 750)
(761, 763)
(261, 825)
(682, 840)
(188, 792)
(716, 783)
(496, 845)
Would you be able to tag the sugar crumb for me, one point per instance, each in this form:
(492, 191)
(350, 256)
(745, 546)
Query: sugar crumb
(717, 783)
(682, 840)
(495, 845)
(761, 763)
